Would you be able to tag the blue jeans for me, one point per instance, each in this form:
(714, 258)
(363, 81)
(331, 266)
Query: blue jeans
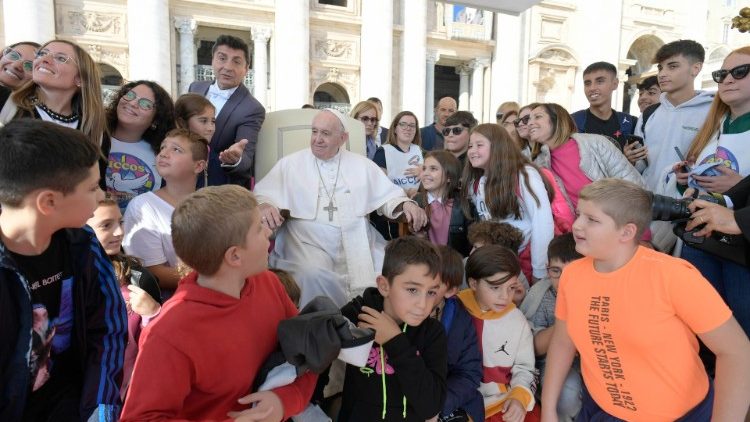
(731, 280)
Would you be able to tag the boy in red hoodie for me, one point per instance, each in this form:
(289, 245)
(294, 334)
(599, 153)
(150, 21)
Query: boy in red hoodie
(198, 359)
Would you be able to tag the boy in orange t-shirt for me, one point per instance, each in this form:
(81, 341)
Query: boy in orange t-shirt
(633, 313)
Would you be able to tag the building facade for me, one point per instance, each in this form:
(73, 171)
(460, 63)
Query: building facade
(406, 52)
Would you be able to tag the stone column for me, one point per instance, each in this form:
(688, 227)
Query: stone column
(261, 35)
(186, 27)
(463, 86)
(376, 56)
(292, 53)
(506, 62)
(477, 87)
(29, 21)
(149, 32)
(414, 72)
(429, 109)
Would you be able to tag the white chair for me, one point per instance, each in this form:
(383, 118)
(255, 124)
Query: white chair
(287, 131)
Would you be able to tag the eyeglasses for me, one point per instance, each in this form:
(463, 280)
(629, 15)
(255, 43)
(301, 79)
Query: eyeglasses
(366, 120)
(499, 116)
(738, 72)
(144, 103)
(60, 58)
(554, 272)
(405, 126)
(15, 56)
(522, 121)
(455, 129)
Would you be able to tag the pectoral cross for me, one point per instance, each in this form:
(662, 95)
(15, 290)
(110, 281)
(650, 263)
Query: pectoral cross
(330, 208)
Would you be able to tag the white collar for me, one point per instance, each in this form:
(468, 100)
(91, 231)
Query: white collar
(432, 198)
(224, 93)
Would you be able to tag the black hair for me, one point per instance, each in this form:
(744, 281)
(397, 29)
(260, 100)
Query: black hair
(234, 43)
(463, 118)
(409, 250)
(451, 267)
(490, 260)
(693, 51)
(563, 247)
(164, 114)
(593, 67)
(648, 83)
(42, 155)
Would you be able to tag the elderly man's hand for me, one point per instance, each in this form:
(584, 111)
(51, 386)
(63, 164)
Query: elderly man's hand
(415, 216)
(270, 216)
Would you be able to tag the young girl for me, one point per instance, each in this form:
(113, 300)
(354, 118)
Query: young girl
(504, 186)
(139, 287)
(195, 113)
(148, 234)
(440, 196)
(139, 116)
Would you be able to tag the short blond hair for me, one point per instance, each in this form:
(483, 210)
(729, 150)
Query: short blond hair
(210, 221)
(623, 201)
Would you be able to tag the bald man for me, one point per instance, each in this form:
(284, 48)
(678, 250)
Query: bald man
(319, 200)
(432, 135)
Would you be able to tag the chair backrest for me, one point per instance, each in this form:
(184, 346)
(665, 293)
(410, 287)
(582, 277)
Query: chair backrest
(287, 131)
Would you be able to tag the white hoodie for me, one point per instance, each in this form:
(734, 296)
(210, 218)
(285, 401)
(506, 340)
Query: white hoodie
(671, 126)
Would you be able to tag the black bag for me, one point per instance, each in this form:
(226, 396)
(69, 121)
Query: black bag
(727, 246)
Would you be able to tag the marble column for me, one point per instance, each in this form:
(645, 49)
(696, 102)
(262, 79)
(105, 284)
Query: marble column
(186, 27)
(477, 87)
(376, 57)
(292, 54)
(429, 109)
(413, 72)
(506, 62)
(463, 86)
(149, 33)
(261, 35)
(28, 20)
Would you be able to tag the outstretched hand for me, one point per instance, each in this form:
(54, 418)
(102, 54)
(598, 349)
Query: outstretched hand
(233, 154)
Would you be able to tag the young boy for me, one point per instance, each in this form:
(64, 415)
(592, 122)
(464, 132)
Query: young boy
(648, 92)
(482, 233)
(675, 121)
(404, 378)
(633, 313)
(198, 359)
(464, 357)
(67, 363)
(539, 309)
(504, 335)
(599, 82)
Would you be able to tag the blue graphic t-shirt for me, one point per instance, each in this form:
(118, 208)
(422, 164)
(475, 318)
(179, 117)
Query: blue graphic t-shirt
(131, 171)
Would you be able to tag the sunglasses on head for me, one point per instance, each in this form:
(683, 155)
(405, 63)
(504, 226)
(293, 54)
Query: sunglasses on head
(738, 72)
(456, 130)
(144, 103)
(523, 120)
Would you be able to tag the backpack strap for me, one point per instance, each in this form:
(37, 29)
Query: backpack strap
(646, 114)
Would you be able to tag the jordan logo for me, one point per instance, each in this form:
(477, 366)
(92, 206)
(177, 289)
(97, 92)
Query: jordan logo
(502, 348)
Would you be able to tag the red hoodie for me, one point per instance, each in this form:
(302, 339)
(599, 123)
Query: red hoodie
(203, 351)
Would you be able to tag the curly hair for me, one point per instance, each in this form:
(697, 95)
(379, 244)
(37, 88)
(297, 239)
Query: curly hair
(164, 117)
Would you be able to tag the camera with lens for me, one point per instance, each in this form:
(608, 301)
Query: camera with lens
(665, 208)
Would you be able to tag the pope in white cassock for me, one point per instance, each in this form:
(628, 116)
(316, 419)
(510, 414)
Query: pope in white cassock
(319, 199)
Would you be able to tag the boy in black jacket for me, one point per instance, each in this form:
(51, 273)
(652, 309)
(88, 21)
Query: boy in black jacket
(404, 379)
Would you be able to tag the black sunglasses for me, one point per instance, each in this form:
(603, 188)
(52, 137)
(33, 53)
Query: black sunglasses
(738, 72)
(524, 120)
(456, 130)
(499, 116)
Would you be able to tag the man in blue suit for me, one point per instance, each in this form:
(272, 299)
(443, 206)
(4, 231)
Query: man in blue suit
(239, 115)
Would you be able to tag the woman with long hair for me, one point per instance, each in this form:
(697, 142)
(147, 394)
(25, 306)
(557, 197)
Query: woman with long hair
(140, 114)
(16, 64)
(368, 113)
(529, 148)
(65, 88)
(505, 187)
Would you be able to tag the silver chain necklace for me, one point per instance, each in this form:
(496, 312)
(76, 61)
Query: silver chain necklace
(330, 208)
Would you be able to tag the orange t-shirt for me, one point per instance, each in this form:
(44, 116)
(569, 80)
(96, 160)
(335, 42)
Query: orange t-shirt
(634, 329)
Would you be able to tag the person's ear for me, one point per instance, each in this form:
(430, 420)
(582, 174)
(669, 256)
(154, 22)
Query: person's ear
(472, 283)
(46, 201)
(696, 69)
(200, 165)
(384, 286)
(628, 232)
(232, 257)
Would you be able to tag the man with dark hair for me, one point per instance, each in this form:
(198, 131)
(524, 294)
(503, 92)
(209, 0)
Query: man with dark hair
(238, 114)
(648, 92)
(675, 120)
(455, 133)
(432, 135)
(599, 81)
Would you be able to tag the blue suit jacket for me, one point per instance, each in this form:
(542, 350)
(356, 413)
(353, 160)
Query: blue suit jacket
(240, 118)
